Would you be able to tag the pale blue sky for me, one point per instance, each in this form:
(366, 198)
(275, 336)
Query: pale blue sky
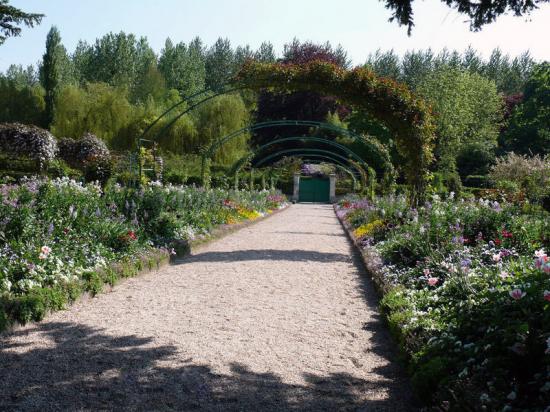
(361, 26)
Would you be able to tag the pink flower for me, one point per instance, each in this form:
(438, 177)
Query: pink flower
(426, 272)
(546, 295)
(540, 253)
(517, 294)
(45, 250)
(433, 281)
(496, 257)
(503, 275)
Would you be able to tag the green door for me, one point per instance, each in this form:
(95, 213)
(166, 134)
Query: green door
(314, 190)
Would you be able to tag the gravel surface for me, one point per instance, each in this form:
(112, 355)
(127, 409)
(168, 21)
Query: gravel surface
(277, 316)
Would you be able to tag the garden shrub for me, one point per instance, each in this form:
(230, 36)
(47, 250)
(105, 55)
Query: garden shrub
(520, 172)
(31, 142)
(88, 154)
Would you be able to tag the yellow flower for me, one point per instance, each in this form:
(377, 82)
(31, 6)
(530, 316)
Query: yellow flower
(368, 228)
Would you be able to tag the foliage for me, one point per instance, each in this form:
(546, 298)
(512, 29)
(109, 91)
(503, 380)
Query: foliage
(97, 108)
(219, 64)
(467, 110)
(183, 66)
(509, 74)
(216, 119)
(408, 116)
(21, 101)
(30, 142)
(60, 237)
(530, 174)
(11, 18)
(480, 13)
(528, 130)
(467, 292)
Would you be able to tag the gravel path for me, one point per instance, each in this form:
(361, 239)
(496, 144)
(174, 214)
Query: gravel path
(274, 317)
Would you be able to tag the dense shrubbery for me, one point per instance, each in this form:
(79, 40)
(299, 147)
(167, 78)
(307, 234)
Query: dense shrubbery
(60, 237)
(467, 294)
(22, 141)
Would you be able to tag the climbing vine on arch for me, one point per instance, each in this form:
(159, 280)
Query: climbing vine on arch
(407, 116)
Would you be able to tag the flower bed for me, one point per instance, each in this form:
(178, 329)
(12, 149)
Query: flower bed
(466, 292)
(59, 238)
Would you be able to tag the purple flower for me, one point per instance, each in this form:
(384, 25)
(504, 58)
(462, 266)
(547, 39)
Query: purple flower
(465, 262)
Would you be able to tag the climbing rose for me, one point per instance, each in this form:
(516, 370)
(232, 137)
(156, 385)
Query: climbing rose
(433, 281)
(517, 294)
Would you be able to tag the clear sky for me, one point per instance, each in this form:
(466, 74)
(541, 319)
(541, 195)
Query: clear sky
(361, 26)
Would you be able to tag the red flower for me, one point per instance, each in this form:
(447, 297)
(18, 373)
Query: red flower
(132, 235)
(346, 205)
(498, 242)
(506, 234)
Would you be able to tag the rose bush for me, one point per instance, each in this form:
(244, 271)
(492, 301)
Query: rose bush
(467, 294)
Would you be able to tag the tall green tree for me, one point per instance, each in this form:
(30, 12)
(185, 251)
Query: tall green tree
(11, 18)
(468, 110)
(183, 66)
(220, 64)
(53, 71)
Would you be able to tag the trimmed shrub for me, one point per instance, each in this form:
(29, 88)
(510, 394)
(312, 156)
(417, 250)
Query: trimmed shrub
(30, 142)
(88, 154)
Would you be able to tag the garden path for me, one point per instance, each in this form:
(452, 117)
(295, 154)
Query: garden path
(276, 316)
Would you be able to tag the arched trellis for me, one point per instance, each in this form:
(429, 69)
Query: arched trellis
(407, 116)
(250, 156)
(327, 157)
(354, 175)
(315, 153)
(375, 146)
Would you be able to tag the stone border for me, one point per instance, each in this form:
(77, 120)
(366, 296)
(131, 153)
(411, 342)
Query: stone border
(151, 262)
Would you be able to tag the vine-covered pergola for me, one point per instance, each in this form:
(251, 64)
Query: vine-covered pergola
(407, 116)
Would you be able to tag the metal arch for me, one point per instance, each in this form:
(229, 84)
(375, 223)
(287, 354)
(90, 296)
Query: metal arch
(350, 152)
(303, 152)
(384, 154)
(242, 161)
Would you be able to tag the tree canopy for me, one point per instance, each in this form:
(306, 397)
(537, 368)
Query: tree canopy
(479, 12)
(11, 18)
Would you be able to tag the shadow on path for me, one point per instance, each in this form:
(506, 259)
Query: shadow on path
(86, 368)
(291, 255)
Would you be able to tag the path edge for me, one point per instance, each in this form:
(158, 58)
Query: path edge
(152, 261)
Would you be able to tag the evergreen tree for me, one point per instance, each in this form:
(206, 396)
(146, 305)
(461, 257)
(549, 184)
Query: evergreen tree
(11, 18)
(52, 70)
